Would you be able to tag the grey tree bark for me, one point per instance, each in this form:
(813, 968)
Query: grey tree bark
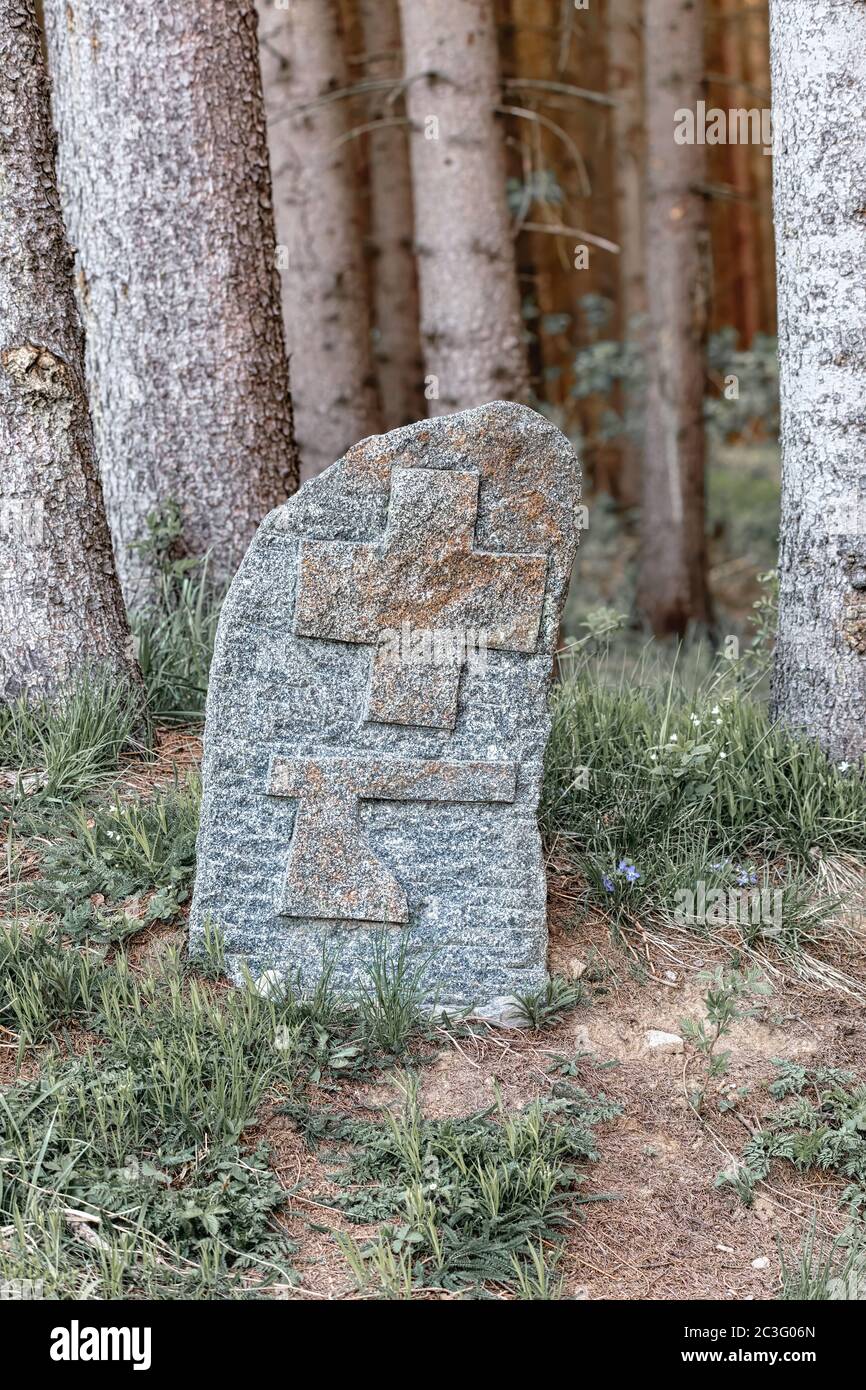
(324, 275)
(625, 80)
(470, 306)
(60, 603)
(672, 582)
(166, 190)
(818, 58)
(397, 341)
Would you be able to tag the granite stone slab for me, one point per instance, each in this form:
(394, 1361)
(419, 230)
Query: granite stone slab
(377, 713)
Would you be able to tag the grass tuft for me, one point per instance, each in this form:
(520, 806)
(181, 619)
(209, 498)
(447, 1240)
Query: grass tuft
(57, 751)
(466, 1202)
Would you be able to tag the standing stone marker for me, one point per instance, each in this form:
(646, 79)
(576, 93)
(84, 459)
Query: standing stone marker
(377, 713)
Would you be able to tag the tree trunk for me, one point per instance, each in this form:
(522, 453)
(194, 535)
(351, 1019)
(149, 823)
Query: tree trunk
(673, 585)
(60, 603)
(528, 50)
(757, 59)
(165, 184)
(325, 304)
(392, 227)
(819, 96)
(470, 307)
(742, 213)
(625, 78)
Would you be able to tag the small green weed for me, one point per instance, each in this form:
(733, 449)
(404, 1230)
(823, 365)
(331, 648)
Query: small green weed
(823, 1126)
(466, 1201)
(544, 1007)
(724, 1005)
(119, 851)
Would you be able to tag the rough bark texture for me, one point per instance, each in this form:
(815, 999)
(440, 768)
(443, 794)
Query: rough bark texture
(673, 588)
(60, 603)
(470, 307)
(166, 191)
(392, 226)
(324, 278)
(819, 96)
(625, 73)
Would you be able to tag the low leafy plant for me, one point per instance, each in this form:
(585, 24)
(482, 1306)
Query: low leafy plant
(465, 1201)
(723, 1001)
(117, 851)
(823, 1126)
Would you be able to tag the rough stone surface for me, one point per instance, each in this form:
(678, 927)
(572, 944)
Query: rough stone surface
(377, 713)
(656, 1040)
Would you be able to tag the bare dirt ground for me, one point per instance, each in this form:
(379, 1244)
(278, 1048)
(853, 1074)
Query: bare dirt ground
(668, 1232)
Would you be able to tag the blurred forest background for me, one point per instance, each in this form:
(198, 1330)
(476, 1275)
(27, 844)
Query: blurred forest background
(288, 226)
(571, 113)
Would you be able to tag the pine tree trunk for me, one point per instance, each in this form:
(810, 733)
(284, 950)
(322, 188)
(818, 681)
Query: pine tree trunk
(673, 586)
(324, 278)
(60, 604)
(819, 97)
(392, 226)
(166, 191)
(757, 61)
(470, 307)
(625, 77)
(742, 215)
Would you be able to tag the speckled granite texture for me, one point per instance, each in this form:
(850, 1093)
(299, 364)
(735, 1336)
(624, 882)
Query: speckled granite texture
(377, 712)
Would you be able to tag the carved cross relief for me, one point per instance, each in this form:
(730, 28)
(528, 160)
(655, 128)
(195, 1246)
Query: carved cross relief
(425, 573)
(332, 871)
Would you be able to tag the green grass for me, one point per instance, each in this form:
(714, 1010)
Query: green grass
(60, 750)
(824, 1271)
(680, 777)
(118, 851)
(128, 1170)
(128, 1166)
(174, 642)
(141, 1135)
(467, 1203)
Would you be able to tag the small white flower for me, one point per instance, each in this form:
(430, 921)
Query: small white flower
(723, 755)
(718, 721)
(695, 720)
(843, 767)
(672, 739)
(715, 710)
(654, 757)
